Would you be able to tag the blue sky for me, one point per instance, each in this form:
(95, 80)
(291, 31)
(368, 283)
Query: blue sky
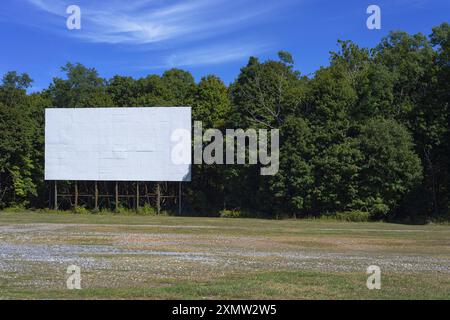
(140, 37)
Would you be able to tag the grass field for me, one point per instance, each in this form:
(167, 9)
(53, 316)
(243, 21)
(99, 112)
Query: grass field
(208, 258)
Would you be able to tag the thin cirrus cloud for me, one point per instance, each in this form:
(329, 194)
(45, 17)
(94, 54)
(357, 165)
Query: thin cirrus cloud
(209, 29)
(210, 55)
(150, 21)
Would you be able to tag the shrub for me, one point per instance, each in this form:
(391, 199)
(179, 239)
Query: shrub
(230, 214)
(147, 210)
(123, 211)
(81, 210)
(15, 208)
(353, 216)
(379, 210)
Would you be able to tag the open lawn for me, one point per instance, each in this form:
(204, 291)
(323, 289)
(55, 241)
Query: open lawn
(209, 258)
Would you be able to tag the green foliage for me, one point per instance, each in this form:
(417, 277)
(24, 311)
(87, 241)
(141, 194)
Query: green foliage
(15, 208)
(230, 214)
(181, 86)
(352, 216)
(123, 211)
(211, 103)
(147, 210)
(390, 169)
(11, 80)
(82, 88)
(265, 93)
(286, 57)
(292, 185)
(17, 134)
(122, 91)
(21, 177)
(81, 210)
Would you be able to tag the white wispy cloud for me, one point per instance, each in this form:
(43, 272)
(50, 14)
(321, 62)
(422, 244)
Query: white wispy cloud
(184, 32)
(150, 21)
(215, 54)
(53, 7)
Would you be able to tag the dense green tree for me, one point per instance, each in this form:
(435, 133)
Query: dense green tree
(292, 186)
(411, 61)
(440, 39)
(17, 134)
(390, 167)
(211, 103)
(181, 86)
(122, 91)
(152, 91)
(82, 88)
(264, 94)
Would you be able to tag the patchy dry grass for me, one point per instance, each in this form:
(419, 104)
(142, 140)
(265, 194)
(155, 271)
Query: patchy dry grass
(206, 258)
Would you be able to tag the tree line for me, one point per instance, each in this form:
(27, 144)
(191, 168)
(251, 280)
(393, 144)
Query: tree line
(368, 133)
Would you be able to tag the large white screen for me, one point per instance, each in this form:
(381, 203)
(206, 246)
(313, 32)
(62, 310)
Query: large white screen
(115, 144)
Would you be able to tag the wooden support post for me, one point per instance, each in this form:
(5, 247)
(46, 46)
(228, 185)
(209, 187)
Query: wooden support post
(137, 195)
(179, 200)
(56, 195)
(158, 198)
(117, 196)
(147, 195)
(76, 195)
(107, 195)
(96, 196)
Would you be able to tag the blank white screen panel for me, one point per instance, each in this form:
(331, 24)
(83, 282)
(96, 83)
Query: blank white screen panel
(115, 144)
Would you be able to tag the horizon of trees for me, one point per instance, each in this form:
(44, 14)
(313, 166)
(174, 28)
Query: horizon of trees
(370, 132)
